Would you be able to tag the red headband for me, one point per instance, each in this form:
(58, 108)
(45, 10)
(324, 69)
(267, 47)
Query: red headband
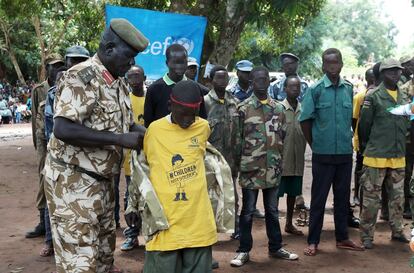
(191, 105)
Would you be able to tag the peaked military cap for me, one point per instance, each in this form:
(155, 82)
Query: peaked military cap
(288, 55)
(405, 59)
(390, 63)
(129, 34)
(77, 51)
(54, 58)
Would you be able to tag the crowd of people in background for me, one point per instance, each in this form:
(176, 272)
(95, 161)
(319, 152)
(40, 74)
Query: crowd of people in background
(15, 102)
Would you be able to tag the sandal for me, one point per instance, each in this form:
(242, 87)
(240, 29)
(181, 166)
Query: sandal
(349, 245)
(310, 251)
(293, 230)
(47, 251)
(115, 269)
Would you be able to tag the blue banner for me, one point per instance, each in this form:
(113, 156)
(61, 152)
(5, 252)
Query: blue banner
(162, 29)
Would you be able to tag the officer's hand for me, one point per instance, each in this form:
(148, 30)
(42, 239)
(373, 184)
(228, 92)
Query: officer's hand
(132, 140)
(132, 219)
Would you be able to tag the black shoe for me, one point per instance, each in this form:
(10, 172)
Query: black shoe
(177, 197)
(39, 230)
(214, 264)
(184, 197)
(235, 236)
(407, 214)
(258, 214)
(400, 238)
(353, 222)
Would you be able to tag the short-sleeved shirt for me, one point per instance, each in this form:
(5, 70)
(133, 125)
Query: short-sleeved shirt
(90, 96)
(330, 109)
(177, 172)
(294, 144)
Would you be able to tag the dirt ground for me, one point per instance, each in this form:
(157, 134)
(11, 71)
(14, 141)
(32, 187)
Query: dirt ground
(18, 187)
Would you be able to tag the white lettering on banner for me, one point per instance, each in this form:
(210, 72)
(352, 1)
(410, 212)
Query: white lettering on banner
(156, 47)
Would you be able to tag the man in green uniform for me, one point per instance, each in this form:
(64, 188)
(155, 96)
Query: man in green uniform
(382, 139)
(93, 123)
(407, 62)
(39, 93)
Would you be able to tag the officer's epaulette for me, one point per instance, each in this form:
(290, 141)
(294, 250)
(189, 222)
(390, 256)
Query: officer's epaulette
(86, 74)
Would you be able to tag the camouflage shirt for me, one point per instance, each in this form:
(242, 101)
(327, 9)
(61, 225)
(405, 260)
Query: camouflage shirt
(223, 120)
(262, 129)
(39, 94)
(89, 95)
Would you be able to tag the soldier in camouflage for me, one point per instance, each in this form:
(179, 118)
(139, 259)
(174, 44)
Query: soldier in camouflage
(262, 130)
(382, 137)
(407, 62)
(39, 93)
(221, 108)
(93, 123)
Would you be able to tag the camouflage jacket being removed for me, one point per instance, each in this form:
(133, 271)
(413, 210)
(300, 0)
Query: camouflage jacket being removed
(87, 94)
(143, 199)
(262, 130)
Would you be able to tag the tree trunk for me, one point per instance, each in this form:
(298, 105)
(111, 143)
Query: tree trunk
(8, 48)
(16, 66)
(36, 24)
(233, 25)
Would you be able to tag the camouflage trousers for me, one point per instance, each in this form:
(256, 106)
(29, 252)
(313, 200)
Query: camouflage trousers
(372, 181)
(82, 219)
(41, 156)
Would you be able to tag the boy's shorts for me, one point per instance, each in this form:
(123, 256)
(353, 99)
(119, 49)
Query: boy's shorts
(186, 260)
(291, 185)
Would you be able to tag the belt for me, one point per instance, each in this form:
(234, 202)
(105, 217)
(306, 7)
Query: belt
(79, 169)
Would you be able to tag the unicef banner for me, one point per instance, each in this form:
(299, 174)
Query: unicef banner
(162, 29)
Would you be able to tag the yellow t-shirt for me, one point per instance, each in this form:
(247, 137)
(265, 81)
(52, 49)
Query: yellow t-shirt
(176, 161)
(221, 101)
(263, 101)
(393, 94)
(137, 104)
(393, 163)
(358, 101)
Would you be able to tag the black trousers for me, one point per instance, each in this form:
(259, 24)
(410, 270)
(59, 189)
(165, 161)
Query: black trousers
(327, 170)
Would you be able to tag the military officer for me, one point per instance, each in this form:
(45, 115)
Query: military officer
(93, 122)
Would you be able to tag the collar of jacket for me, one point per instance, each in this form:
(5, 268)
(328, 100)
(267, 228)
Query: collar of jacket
(383, 93)
(327, 82)
(287, 105)
(227, 96)
(256, 102)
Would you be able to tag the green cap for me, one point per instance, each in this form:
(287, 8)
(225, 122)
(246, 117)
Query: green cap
(54, 58)
(129, 34)
(390, 63)
(405, 59)
(77, 52)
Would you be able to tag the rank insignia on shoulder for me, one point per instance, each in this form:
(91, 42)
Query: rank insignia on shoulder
(367, 103)
(108, 77)
(86, 74)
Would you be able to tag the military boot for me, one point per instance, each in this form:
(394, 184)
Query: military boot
(39, 230)
(177, 197)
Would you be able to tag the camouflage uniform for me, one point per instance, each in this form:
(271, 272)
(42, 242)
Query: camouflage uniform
(383, 136)
(80, 190)
(408, 89)
(143, 199)
(262, 130)
(39, 94)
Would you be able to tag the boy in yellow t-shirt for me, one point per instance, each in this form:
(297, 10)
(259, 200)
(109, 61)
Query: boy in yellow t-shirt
(174, 147)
